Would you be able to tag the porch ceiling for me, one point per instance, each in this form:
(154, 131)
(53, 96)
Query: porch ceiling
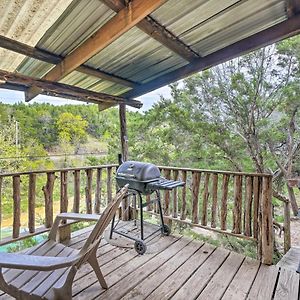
(163, 40)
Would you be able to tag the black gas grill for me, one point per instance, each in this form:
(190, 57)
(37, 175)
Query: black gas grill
(143, 179)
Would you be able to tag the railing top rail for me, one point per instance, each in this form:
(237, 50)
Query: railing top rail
(58, 170)
(216, 171)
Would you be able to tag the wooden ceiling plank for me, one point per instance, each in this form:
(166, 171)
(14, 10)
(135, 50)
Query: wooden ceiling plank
(64, 90)
(51, 58)
(158, 32)
(266, 37)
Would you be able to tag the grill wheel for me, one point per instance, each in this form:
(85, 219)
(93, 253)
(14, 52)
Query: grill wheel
(140, 247)
(165, 230)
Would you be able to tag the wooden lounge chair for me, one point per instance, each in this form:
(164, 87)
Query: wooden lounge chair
(47, 271)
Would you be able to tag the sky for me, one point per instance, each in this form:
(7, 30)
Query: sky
(10, 97)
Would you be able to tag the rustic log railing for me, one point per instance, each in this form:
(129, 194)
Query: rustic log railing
(231, 203)
(84, 189)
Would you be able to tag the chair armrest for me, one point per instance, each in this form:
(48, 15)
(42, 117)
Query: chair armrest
(78, 217)
(32, 262)
(70, 216)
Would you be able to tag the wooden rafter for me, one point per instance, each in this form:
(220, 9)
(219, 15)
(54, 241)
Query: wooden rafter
(158, 32)
(293, 7)
(64, 90)
(51, 58)
(266, 37)
(124, 20)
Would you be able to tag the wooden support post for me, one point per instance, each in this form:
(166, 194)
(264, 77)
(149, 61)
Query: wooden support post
(31, 202)
(123, 131)
(48, 194)
(76, 203)
(97, 203)
(88, 191)
(124, 151)
(266, 234)
(17, 206)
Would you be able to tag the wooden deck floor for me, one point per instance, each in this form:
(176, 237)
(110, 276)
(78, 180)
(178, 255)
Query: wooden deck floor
(291, 259)
(181, 269)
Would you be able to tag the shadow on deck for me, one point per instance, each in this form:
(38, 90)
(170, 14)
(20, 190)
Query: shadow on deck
(180, 269)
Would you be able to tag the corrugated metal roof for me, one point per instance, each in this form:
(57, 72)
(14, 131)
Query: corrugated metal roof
(26, 21)
(60, 26)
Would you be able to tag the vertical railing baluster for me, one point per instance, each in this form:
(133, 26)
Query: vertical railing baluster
(167, 174)
(16, 206)
(64, 191)
(31, 202)
(76, 203)
(224, 201)
(175, 197)
(88, 190)
(183, 206)
(237, 210)
(256, 197)
(148, 199)
(109, 184)
(248, 206)
(205, 200)
(196, 178)
(97, 203)
(48, 194)
(214, 200)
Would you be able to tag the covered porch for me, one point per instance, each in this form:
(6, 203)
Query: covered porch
(108, 53)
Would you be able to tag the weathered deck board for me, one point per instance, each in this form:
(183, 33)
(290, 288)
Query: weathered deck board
(181, 269)
(241, 283)
(291, 259)
(288, 285)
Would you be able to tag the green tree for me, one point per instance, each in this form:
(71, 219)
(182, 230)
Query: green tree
(71, 128)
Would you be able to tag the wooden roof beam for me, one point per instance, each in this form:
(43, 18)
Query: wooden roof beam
(51, 58)
(158, 32)
(124, 20)
(266, 37)
(64, 90)
(293, 7)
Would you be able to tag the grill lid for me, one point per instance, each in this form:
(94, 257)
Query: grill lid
(139, 171)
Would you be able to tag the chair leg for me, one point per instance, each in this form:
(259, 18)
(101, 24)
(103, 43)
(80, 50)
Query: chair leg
(95, 265)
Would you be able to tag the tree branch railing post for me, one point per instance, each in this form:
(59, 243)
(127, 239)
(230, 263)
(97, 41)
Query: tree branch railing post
(206, 201)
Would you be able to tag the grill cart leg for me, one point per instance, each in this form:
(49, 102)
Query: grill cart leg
(165, 229)
(141, 216)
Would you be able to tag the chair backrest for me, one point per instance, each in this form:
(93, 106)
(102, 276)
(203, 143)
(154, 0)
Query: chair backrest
(96, 234)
